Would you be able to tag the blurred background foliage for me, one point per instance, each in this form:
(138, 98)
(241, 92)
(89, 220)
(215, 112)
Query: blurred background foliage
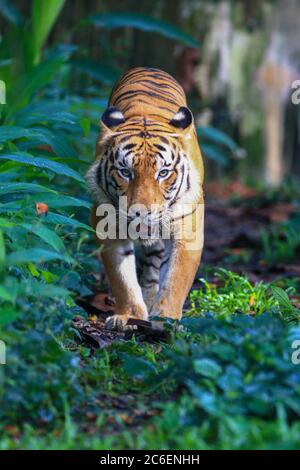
(236, 61)
(58, 60)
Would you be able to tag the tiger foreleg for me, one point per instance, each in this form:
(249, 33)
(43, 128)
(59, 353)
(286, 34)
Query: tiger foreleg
(119, 263)
(180, 269)
(180, 275)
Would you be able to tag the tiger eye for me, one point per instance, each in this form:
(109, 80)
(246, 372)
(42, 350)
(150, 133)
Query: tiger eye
(163, 173)
(126, 173)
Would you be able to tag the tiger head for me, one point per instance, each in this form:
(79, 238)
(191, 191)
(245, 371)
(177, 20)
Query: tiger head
(145, 160)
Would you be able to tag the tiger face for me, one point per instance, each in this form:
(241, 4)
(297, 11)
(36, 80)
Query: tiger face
(144, 160)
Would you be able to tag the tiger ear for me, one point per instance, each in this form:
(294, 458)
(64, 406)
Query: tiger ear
(182, 119)
(112, 117)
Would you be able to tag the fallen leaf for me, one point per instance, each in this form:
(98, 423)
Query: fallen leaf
(13, 431)
(126, 418)
(41, 208)
(93, 318)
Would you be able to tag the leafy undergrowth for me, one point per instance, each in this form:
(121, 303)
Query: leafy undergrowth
(235, 295)
(226, 379)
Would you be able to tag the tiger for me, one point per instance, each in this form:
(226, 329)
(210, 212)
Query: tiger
(148, 152)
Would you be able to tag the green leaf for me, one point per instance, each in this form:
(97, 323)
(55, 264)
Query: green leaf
(282, 298)
(35, 288)
(144, 23)
(8, 133)
(216, 136)
(59, 200)
(8, 188)
(45, 110)
(43, 163)
(47, 235)
(4, 222)
(49, 277)
(34, 255)
(206, 400)
(207, 368)
(85, 124)
(211, 152)
(38, 77)
(104, 73)
(44, 15)
(68, 201)
(32, 269)
(63, 220)
(2, 248)
(5, 294)
(47, 116)
(40, 135)
(8, 315)
(137, 367)
(56, 140)
(10, 12)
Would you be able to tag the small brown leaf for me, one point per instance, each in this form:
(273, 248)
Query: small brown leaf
(252, 300)
(93, 318)
(41, 208)
(13, 431)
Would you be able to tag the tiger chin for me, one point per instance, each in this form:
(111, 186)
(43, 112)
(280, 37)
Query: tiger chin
(148, 158)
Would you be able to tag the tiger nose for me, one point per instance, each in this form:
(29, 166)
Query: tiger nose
(138, 210)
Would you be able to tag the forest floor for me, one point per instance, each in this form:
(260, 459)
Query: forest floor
(223, 379)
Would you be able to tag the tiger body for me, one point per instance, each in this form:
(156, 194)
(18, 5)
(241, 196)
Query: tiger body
(148, 151)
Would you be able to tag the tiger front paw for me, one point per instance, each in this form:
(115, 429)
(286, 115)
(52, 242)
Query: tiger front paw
(118, 323)
(119, 320)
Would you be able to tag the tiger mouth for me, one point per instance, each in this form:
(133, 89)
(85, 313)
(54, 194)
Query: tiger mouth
(147, 228)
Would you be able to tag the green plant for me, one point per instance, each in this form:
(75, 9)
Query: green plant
(217, 145)
(287, 309)
(235, 295)
(44, 15)
(222, 384)
(282, 243)
(142, 22)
